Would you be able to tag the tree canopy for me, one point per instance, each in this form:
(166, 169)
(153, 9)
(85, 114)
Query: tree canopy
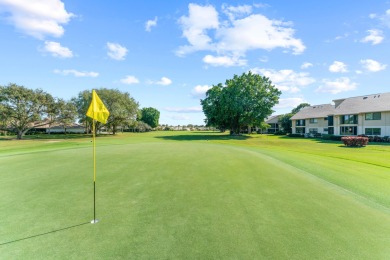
(244, 100)
(123, 108)
(150, 116)
(299, 107)
(23, 109)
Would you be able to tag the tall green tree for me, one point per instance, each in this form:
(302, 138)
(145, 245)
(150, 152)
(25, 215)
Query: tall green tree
(243, 101)
(23, 109)
(151, 116)
(213, 108)
(123, 108)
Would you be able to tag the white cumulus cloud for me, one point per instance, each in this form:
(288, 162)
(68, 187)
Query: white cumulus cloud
(336, 86)
(286, 80)
(37, 18)
(195, 26)
(164, 81)
(199, 91)
(235, 35)
(338, 66)
(224, 61)
(383, 18)
(77, 73)
(374, 37)
(232, 12)
(130, 80)
(289, 102)
(116, 51)
(56, 50)
(150, 23)
(306, 65)
(372, 65)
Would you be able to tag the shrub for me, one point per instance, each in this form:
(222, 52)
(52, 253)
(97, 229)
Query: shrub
(331, 137)
(355, 141)
(280, 133)
(295, 135)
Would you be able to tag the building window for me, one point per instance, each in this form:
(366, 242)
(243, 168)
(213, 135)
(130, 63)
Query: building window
(313, 130)
(348, 130)
(300, 130)
(313, 120)
(330, 130)
(300, 122)
(373, 116)
(325, 129)
(348, 119)
(274, 126)
(372, 131)
(330, 120)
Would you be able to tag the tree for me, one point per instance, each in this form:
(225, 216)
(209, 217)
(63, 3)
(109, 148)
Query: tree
(213, 108)
(123, 108)
(264, 126)
(299, 107)
(66, 114)
(285, 120)
(244, 101)
(23, 109)
(150, 116)
(142, 127)
(82, 102)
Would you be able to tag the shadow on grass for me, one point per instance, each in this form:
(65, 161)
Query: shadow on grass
(43, 234)
(203, 137)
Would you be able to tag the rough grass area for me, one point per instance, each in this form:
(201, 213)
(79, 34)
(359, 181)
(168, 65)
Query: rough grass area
(194, 195)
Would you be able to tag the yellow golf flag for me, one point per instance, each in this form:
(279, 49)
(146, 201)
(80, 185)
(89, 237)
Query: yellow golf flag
(97, 110)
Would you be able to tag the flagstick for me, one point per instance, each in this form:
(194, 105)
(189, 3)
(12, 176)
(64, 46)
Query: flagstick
(94, 173)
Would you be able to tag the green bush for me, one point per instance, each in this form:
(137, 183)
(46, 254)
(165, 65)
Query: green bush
(331, 137)
(295, 135)
(280, 133)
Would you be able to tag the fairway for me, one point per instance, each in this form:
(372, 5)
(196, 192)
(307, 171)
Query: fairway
(194, 195)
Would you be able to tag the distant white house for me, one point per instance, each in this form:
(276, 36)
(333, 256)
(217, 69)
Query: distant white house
(72, 129)
(273, 121)
(363, 115)
(56, 128)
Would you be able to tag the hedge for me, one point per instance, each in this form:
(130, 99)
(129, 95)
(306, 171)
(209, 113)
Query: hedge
(356, 141)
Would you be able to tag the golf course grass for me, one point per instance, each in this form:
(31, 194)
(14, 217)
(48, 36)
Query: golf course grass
(194, 195)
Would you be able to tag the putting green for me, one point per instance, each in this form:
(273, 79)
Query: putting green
(159, 198)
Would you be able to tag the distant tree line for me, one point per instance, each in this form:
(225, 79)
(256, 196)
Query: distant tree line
(22, 109)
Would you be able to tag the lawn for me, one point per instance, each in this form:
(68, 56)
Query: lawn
(194, 195)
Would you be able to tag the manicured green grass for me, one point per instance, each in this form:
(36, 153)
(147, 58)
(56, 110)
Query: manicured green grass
(194, 195)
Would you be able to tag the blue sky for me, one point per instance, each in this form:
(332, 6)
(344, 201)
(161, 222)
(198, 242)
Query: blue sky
(166, 54)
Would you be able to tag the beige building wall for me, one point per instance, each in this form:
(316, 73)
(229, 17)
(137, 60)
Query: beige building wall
(383, 124)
